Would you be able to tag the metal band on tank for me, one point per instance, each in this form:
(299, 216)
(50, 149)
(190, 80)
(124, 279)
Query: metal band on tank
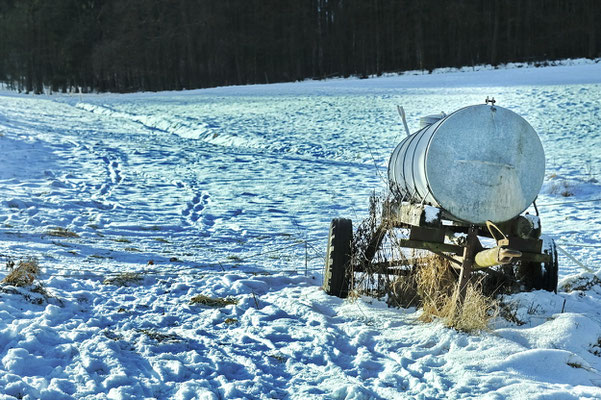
(426, 157)
(411, 139)
(418, 194)
(407, 141)
(391, 164)
(392, 183)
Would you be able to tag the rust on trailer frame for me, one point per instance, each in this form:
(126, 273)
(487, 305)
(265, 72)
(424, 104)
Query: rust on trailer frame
(469, 258)
(428, 229)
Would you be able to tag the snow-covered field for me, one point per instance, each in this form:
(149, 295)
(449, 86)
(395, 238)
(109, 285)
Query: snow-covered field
(228, 192)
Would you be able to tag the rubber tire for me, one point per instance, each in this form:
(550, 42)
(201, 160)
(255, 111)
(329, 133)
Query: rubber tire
(550, 270)
(537, 276)
(338, 258)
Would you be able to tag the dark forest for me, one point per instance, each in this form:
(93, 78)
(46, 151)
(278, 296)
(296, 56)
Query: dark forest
(131, 45)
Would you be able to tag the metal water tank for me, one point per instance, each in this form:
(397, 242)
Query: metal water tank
(479, 163)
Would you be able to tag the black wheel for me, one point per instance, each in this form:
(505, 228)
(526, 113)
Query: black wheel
(338, 258)
(550, 270)
(537, 276)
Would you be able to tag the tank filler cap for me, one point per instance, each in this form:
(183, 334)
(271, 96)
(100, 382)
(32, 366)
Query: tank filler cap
(428, 120)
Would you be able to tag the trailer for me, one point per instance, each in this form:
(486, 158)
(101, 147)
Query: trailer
(459, 188)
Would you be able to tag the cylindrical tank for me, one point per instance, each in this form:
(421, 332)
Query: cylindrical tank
(479, 163)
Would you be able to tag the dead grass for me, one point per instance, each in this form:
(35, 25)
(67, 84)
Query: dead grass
(404, 292)
(562, 187)
(124, 279)
(22, 280)
(161, 337)
(509, 311)
(471, 316)
(354, 295)
(61, 232)
(438, 289)
(24, 274)
(435, 278)
(415, 280)
(212, 301)
(152, 228)
(581, 284)
(476, 311)
(596, 348)
(34, 294)
(432, 285)
(280, 358)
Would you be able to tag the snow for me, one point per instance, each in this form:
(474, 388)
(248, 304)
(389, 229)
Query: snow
(228, 192)
(432, 213)
(534, 220)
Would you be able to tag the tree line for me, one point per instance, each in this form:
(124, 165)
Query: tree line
(131, 45)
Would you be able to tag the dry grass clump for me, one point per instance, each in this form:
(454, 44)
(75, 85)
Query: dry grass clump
(472, 315)
(22, 280)
(432, 284)
(509, 312)
(582, 283)
(124, 279)
(438, 290)
(404, 292)
(24, 274)
(562, 187)
(429, 282)
(354, 295)
(278, 357)
(434, 277)
(161, 337)
(212, 301)
(61, 232)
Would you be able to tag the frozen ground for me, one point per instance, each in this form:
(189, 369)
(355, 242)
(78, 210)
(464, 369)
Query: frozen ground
(228, 192)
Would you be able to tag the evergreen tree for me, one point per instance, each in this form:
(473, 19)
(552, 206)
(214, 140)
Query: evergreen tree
(128, 45)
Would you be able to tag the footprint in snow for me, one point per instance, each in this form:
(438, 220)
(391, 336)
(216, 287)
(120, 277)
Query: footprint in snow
(115, 176)
(195, 210)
